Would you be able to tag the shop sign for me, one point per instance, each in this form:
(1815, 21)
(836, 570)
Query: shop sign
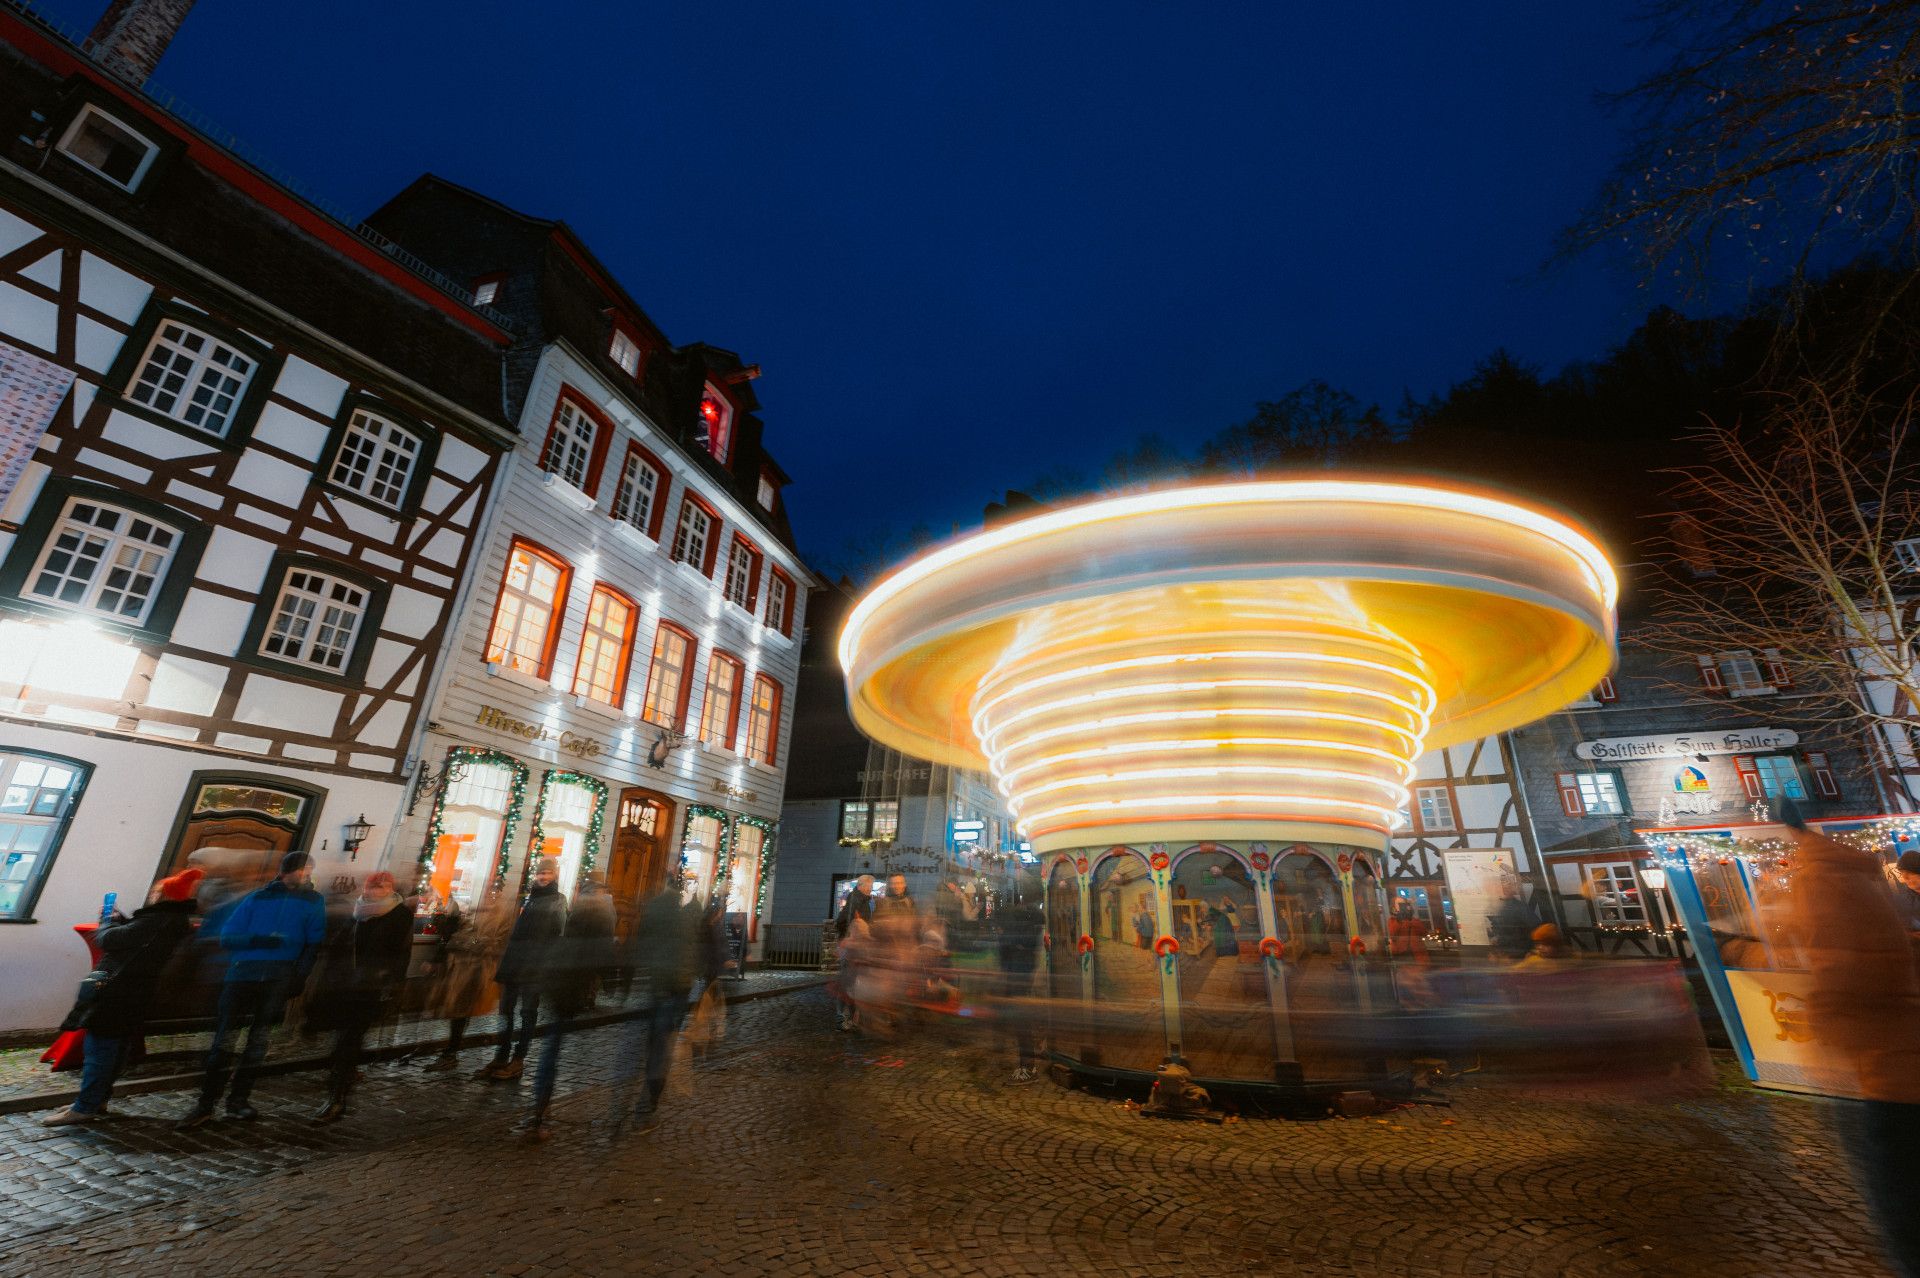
(733, 792)
(918, 773)
(567, 742)
(1686, 744)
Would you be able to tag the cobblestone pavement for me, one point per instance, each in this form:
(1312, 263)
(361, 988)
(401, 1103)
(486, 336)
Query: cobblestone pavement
(804, 1151)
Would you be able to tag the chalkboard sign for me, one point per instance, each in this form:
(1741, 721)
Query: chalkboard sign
(737, 944)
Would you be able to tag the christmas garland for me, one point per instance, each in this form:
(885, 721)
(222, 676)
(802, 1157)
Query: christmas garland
(766, 829)
(459, 759)
(593, 785)
(721, 854)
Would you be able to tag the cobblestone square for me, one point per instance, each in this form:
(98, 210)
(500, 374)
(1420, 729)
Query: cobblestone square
(803, 1151)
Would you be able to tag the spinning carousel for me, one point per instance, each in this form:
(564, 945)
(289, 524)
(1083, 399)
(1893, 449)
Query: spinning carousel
(1203, 706)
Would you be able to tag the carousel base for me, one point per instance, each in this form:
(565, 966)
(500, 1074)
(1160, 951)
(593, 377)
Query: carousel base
(1288, 1092)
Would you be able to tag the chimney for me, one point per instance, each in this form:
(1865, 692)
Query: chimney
(132, 34)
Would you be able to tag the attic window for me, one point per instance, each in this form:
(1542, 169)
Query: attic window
(97, 141)
(767, 491)
(626, 353)
(485, 291)
(715, 428)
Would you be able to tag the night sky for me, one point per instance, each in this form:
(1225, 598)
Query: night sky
(972, 244)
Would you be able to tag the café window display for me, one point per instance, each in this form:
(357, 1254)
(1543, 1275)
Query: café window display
(473, 824)
(566, 825)
(702, 848)
(743, 869)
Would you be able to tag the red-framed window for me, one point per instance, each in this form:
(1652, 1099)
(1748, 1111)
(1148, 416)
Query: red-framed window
(526, 616)
(780, 601)
(696, 535)
(713, 430)
(577, 439)
(640, 498)
(743, 573)
(606, 646)
(1604, 692)
(720, 716)
(669, 677)
(763, 720)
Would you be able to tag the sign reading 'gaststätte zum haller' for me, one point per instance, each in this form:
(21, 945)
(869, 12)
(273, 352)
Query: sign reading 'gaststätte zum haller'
(1686, 744)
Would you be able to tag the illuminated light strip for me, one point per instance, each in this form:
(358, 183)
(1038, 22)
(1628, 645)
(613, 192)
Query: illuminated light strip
(1391, 789)
(1167, 659)
(1151, 807)
(988, 736)
(1598, 572)
(1414, 740)
(1220, 743)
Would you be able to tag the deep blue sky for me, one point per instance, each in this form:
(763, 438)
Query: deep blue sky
(973, 243)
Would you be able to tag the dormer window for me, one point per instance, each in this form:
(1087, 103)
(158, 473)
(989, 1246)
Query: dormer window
(97, 141)
(768, 493)
(626, 353)
(485, 291)
(715, 429)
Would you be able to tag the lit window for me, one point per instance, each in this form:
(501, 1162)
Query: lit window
(36, 801)
(693, 539)
(191, 377)
(606, 646)
(666, 700)
(763, 720)
(721, 717)
(485, 291)
(715, 428)
(1436, 808)
(767, 493)
(528, 611)
(779, 602)
(569, 452)
(638, 496)
(743, 574)
(315, 620)
(105, 560)
(856, 816)
(376, 459)
(1600, 793)
(886, 820)
(99, 142)
(626, 353)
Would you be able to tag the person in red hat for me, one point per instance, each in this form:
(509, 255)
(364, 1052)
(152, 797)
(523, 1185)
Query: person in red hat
(113, 1007)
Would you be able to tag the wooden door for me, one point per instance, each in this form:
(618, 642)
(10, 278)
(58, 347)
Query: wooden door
(637, 865)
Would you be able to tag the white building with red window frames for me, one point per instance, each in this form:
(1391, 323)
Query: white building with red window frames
(244, 457)
(619, 692)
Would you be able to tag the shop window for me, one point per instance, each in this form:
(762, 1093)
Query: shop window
(720, 717)
(1615, 896)
(700, 849)
(103, 560)
(743, 869)
(101, 143)
(476, 810)
(526, 620)
(668, 682)
(743, 574)
(606, 647)
(642, 492)
(693, 539)
(714, 431)
(319, 620)
(763, 721)
(376, 459)
(1434, 803)
(780, 602)
(38, 794)
(576, 445)
(192, 377)
(568, 809)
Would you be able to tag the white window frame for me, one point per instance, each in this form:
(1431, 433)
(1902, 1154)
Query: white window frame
(485, 291)
(1421, 795)
(171, 359)
(1907, 553)
(639, 517)
(1734, 664)
(516, 604)
(742, 562)
(768, 494)
(776, 617)
(762, 737)
(370, 459)
(38, 806)
(625, 352)
(1600, 794)
(598, 637)
(152, 560)
(570, 442)
(670, 714)
(1607, 891)
(309, 606)
(79, 122)
(693, 518)
(720, 723)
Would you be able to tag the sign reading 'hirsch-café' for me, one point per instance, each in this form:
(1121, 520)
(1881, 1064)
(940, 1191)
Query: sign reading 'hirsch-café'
(1686, 744)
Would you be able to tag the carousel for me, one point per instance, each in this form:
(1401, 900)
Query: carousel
(1203, 706)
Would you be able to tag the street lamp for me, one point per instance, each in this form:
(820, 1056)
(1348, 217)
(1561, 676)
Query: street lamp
(354, 833)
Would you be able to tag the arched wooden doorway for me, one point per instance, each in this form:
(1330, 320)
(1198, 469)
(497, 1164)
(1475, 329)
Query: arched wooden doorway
(637, 864)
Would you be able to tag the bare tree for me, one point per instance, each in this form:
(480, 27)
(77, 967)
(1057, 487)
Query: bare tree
(1786, 543)
(1311, 425)
(1773, 127)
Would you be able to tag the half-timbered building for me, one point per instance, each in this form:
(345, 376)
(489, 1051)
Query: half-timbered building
(244, 453)
(621, 685)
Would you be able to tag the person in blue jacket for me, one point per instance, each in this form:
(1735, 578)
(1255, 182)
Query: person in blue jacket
(272, 936)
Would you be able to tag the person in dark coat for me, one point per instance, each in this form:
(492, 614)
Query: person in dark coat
(858, 905)
(662, 954)
(273, 936)
(135, 951)
(590, 928)
(523, 970)
(374, 957)
(573, 966)
(1019, 948)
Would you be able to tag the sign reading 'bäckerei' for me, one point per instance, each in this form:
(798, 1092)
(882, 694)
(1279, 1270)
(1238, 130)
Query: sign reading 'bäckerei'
(1684, 744)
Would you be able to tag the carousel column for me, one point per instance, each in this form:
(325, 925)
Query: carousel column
(1084, 944)
(1166, 949)
(1272, 955)
(1356, 948)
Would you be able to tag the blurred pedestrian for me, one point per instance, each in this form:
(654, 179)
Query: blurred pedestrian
(273, 935)
(590, 928)
(116, 997)
(662, 956)
(858, 905)
(467, 953)
(1018, 946)
(1406, 934)
(573, 964)
(1510, 926)
(372, 966)
(1549, 953)
(846, 980)
(1906, 892)
(523, 970)
(896, 907)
